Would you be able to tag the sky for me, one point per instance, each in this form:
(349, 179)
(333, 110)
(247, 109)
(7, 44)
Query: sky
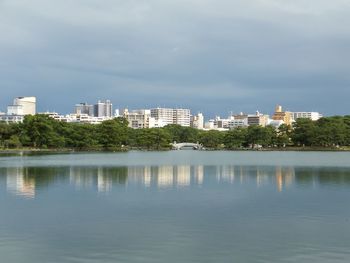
(213, 56)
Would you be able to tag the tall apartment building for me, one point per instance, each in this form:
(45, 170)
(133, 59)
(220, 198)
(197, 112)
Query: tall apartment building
(84, 108)
(280, 115)
(172, 116)
(182, 117)
(258, 119)
(103, 109)
(307, 115)
(197, 121)
(137, 119)
(164, 114)
(23, 106)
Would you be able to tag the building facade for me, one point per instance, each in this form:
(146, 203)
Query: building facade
(168, 116)
(258, 119)
(307, 115)
(197, 121)
(138, 119)
(84, 108)
(103, 109)
(280, 115)
(182, 117)
(21, 106)
(28, 105)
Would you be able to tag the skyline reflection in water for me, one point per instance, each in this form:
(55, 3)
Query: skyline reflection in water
(27, 181)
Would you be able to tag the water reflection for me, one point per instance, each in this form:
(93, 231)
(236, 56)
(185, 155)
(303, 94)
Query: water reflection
(27, 181)
(19, 184)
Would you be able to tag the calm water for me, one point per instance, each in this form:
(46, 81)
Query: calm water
(181, 206)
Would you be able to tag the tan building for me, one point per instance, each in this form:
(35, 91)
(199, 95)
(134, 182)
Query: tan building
(27, 105)
(280, 115)
(138, 119)
(258, 119)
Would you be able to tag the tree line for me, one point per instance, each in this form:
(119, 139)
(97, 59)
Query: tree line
(43, 132)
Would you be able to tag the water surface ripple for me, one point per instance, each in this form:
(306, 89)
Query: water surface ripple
(181, 206)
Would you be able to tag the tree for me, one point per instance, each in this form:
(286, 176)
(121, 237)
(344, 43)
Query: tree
(258, 135)
(235, 138)
(13, 142)
(304, 132)
(41, 131)
(81, 136)
(6, 131)
(153, 139)
(283, 135)
(113, 133)
(211, 139)
(180, 134)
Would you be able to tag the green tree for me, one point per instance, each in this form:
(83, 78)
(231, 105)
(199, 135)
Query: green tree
(113, 133)
(331, 131)
(153, 139)
(283, 135)
(13, 142)
(235, 138)
(41, 131)
(81, 136)
(211, 139)
(258, 135)
(182, 134)
(304, 132)
(6, 131)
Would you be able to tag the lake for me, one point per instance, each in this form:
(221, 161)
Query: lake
(176, 206)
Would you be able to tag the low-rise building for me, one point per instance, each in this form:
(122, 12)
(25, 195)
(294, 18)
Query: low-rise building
(79, 118)
(258, 119)
(280, 115)
(11, 118)
(307, 115)
(239, 123)
(138, 119)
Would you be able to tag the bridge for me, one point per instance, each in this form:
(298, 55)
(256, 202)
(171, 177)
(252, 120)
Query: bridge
(184, 145)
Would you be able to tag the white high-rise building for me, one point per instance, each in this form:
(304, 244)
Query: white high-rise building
(103, 109)
(197, 121)
(28, 105)
(164, 114)
(84, 108)
(182, 117)
(172, 116)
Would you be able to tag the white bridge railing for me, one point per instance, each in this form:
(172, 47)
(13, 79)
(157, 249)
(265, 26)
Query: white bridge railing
(194, 146)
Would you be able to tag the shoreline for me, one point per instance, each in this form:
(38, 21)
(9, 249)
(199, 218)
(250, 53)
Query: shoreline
(63, 150)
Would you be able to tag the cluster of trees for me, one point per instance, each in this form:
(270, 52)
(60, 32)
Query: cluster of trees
(41, 131)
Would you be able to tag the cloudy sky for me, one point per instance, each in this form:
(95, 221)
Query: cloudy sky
(213, 56)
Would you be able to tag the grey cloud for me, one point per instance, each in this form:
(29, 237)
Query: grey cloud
(214, 56)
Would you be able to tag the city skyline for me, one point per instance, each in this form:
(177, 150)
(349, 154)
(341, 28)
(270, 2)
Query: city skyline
(73, 108)
(213, 56)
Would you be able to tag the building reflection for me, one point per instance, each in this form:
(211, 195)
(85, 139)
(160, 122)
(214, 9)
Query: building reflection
(19, 184)
(100, 178)
(225, 174)
(262, 175)
(163, 177)
(285, 177)
(27, 181)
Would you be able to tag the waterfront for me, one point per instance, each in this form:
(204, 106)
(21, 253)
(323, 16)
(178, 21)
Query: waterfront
(179, 206)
